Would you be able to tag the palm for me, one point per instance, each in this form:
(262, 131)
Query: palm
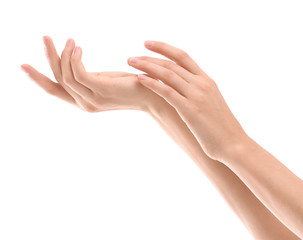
(90, 91)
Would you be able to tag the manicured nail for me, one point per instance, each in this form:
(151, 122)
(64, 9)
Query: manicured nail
(133, 60)
(149, 43)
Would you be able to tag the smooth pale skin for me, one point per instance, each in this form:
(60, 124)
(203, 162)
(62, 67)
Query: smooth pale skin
(89, 91)
(116, 90)
(198, 101)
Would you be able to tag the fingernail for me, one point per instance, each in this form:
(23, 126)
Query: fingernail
(149, 43)
(133, 60)
(22, 67)
(76, 50)
(141, 77)
(68, 43)
(45, 41)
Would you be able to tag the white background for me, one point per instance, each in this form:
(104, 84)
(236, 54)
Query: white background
(67, 174)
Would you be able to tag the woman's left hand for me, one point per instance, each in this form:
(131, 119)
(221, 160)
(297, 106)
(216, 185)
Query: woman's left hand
(194, 95)
(89, 91)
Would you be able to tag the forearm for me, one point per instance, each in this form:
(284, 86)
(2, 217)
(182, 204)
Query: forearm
(254, 215)
(273, 183)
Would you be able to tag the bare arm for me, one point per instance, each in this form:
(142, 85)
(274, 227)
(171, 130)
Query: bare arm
(272, 182)
(261, 223)
(198, 101)
(95, 92)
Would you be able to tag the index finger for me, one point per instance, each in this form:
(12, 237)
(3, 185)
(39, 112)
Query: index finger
(48, 85)
(177, 55)
(53, 58)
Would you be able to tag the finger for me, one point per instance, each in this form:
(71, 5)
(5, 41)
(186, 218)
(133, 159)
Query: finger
(158, 72)
(170, 65)
(48, 85)
(53, 58)
(67, 74)
(177, 55)
(114, 74)
(163, 90)
(55, 64)
(79, 71)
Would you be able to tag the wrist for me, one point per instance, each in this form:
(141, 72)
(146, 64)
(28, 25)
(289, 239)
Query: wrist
(146, 100)
(157, 107)
(238, 150)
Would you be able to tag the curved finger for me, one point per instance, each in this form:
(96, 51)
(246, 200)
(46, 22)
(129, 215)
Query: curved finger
(55, 64)
(170, 65)
(53, 58)
(177, 55)
(163, 90)
(48, 85)
(67, 73)
(78, 69)
(158, 72)
(114, 74)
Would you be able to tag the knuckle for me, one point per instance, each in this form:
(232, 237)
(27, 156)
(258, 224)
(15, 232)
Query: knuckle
(169, 93)
(155, 84)
(168, 64)
(169, 74)
(64, 54)
(207, 85)
(212, 83)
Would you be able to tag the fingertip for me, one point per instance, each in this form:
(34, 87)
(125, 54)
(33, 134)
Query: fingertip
(77, 50)
(128, 60)
(24, 67)
(70, 42)
(77, 54)
(149, 43)
(46, 37)
(132, 60)
(45, 40)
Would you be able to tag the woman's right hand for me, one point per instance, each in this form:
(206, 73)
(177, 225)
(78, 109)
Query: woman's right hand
(90, 91)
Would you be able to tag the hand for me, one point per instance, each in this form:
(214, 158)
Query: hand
(90, 91)
(194, 95)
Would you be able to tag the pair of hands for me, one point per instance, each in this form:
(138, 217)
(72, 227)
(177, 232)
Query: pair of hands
(184, 85)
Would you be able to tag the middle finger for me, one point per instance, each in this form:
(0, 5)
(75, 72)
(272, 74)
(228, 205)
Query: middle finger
(67, 74)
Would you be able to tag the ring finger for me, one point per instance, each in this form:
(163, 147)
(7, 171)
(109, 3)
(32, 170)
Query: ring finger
(168, 76)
